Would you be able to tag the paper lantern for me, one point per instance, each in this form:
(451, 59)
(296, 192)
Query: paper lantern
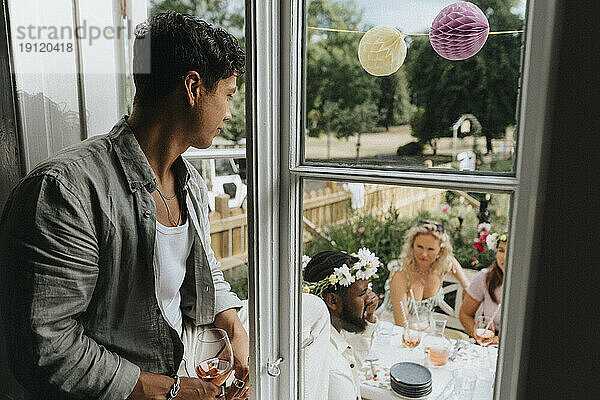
(459, 31)
(382, 50)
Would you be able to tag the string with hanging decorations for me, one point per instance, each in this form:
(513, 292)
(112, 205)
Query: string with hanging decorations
(458, 32)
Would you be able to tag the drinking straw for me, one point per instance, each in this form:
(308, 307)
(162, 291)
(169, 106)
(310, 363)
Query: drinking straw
(403, 313)
(493, 316)
(412, 294)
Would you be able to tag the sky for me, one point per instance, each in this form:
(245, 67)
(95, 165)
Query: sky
(410, 16)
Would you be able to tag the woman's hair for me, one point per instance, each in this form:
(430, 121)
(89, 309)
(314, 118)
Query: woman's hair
(494, 278)
(323, 264)
(443, 263)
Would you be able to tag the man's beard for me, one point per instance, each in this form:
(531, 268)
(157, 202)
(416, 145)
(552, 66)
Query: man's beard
(351, 323)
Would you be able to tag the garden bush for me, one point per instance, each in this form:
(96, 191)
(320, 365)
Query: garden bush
(411, 149)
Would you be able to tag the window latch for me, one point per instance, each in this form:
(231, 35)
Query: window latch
(273, 368)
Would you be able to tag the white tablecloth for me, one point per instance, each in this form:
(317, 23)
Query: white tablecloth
(390, 350)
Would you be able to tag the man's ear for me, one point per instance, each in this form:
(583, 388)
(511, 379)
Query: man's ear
(332, 301)
(194, 87)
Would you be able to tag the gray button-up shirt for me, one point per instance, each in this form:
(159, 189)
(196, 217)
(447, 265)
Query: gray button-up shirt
(76, 258)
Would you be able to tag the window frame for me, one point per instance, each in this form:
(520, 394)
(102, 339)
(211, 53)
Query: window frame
(275, 36)
(262, 149)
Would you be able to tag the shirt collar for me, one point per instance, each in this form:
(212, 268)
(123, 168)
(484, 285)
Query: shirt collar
(338, 341)
(134, 162)
(182, 171)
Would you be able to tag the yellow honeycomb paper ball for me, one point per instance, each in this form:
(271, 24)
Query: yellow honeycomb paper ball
(382, 50)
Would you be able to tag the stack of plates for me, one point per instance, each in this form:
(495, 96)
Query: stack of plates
(410, 380)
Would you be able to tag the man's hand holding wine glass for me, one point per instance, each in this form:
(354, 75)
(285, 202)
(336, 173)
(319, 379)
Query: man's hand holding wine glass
(228, 320)
(194, 388)
(240, 347)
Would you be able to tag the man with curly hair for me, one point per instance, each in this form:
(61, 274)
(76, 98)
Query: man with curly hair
(351, 305)
(105, 249)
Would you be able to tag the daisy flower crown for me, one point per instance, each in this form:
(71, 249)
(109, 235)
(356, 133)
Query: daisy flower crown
(365, 268)
(493, 239)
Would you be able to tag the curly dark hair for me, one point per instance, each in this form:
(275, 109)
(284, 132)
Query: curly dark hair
(170, 44)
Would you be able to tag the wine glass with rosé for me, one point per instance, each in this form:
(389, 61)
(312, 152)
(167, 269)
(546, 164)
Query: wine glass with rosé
(213, 357)
(411, 337)
(484, 330)
(420, 319)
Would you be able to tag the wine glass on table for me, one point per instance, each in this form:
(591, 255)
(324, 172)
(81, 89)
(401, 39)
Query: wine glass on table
(410, 336)
(213, 357)
(420, 319)
(417, 324)
(484, 330)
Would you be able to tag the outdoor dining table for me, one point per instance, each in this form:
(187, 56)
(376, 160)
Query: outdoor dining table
(389, 349)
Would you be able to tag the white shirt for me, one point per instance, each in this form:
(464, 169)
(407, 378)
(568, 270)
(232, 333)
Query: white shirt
(324, 348)
(347, 351)
(172, 247)
(316, 328)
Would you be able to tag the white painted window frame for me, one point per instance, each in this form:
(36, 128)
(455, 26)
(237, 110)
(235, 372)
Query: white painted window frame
(274, 36)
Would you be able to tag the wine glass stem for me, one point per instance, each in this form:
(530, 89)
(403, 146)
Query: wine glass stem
(221, 392)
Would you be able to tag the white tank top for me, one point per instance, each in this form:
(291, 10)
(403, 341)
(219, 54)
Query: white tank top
(171, 249)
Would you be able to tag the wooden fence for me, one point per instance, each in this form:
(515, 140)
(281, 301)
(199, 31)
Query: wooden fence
(229, 227)
(229, 233)
(332, 204)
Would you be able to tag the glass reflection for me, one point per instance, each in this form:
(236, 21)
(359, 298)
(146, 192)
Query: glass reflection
(396, 275)
(46, 80)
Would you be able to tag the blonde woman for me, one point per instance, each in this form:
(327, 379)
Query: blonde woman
(426, 259)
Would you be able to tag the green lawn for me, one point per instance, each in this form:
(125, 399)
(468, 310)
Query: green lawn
(379, 149)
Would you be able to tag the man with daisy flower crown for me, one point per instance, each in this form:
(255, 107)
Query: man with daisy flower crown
(342, 281)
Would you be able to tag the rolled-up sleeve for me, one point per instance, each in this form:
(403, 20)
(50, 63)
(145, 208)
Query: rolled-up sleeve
(224, 297)
(49, 266)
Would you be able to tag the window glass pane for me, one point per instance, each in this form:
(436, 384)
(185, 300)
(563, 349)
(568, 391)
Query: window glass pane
(455, 115)
(430, 244)
(106, 60)
(46, 76)
(102, 70)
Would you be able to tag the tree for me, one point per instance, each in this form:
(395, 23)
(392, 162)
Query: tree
(388, 85)
(485, 85)
(402, 105)
(335, 82)
(394, 102)
(228, 14)
(502, 55)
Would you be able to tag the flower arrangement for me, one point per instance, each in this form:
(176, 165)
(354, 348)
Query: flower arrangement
(365, 268)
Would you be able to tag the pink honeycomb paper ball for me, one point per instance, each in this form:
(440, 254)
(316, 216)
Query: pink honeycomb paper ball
(459, 31)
